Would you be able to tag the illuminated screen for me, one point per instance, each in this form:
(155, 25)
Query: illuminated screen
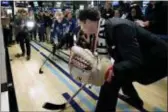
(81, 7)
(9, 11)
(4, 3)
(35, 4)
(115, 3)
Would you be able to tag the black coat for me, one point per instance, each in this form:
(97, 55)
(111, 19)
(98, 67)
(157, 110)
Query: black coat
(136, 50)
(157, 17)
(106, 14)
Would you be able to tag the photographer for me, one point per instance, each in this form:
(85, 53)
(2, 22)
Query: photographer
(23, 35)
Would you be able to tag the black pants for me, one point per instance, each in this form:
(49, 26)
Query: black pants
(109, 94)
(41, 37)
(24, 40)
(109, 91)
(68, 40)
(60, 44)
(33, 34)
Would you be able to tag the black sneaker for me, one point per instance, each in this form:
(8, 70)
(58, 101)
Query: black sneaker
(19, 55)
(28, 58)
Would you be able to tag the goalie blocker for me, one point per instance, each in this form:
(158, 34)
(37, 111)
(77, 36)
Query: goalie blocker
(88, 68)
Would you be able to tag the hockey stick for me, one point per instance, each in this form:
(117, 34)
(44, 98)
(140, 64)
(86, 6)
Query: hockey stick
(40, 70)
(52, 106)
(54, 50)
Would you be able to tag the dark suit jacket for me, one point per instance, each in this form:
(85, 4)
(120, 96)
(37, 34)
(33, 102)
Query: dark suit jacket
(106, 14)
(157, 17)
(135, 50)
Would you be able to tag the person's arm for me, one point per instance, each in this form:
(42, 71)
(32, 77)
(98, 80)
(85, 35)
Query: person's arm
(128, 48)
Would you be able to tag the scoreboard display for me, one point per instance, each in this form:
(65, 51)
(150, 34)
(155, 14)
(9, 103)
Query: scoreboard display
(21, 3)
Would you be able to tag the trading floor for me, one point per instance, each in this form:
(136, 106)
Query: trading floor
(56, 85)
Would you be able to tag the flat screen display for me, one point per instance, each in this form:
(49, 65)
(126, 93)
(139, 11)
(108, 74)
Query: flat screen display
(4, 3)
(115, 3)
(81, 7)
(35, 4)
(21, 4)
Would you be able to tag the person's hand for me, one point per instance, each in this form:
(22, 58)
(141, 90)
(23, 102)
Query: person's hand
(146, 23)
(140, 23)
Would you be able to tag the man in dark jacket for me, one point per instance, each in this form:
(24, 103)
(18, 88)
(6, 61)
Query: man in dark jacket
(135, 53)
(156, 17)
(107, 11)
(48, 23)
(23, 37)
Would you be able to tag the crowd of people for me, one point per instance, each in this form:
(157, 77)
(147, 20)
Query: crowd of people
(152, 20)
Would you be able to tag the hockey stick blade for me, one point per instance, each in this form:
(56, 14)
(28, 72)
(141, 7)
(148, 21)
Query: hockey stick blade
(51, 106)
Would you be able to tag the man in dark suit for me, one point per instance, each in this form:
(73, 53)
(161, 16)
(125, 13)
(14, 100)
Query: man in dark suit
(136, 53)
(107, 11)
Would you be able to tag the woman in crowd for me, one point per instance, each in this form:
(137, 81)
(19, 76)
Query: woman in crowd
(135, 13)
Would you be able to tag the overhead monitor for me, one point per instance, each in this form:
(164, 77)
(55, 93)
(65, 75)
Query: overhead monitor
(21, 3)
(58, 5)
(81, 7)
(5, 3)
(35, 4)
(115, 3)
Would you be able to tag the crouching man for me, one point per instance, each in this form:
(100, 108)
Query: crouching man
(135, 52)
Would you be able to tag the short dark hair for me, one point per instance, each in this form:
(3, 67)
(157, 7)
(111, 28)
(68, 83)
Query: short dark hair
(90, 13)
